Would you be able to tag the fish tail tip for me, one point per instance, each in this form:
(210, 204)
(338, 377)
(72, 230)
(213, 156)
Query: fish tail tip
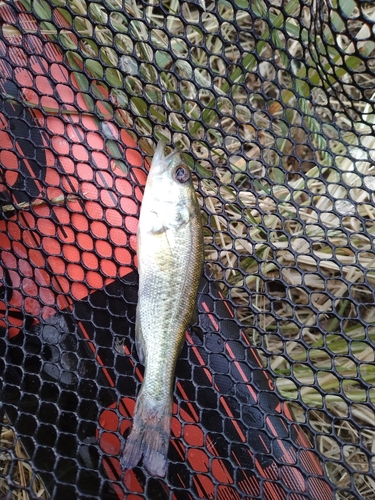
(156, 463)
(149, 437)
(132, 452)
(155, 450)
(154, 458)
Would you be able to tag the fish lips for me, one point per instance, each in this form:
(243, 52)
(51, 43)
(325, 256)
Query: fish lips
(161, 163)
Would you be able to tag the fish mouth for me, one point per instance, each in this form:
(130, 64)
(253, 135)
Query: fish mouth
(161, 163)
(172, 155)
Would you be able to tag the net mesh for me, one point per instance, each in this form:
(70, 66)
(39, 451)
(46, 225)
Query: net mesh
(272, 104)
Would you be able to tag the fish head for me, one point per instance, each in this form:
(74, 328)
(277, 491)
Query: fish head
(170, 178)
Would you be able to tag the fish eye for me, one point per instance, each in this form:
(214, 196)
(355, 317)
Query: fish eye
(181, 173)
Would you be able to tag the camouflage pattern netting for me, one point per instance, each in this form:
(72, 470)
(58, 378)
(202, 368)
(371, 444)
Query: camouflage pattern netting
(272, 105)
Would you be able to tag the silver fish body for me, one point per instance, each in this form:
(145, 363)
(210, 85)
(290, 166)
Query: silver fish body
(170, 262)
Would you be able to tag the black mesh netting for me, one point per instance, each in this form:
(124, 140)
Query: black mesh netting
(271, 102)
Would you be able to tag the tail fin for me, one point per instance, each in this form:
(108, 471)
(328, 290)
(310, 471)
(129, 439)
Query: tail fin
(149, 436)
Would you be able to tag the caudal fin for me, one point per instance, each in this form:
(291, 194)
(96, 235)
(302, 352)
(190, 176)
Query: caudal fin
(149, 436)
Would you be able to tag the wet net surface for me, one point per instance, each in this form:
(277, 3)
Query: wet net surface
(272, 106)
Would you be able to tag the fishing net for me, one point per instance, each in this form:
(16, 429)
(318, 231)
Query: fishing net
(271, 104)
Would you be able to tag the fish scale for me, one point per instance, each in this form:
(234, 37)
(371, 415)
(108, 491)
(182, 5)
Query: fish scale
(170, 262)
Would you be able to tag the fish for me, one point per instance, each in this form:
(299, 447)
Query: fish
(170, 264)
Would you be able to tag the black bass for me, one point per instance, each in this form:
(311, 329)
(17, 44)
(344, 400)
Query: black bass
(170, 263)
